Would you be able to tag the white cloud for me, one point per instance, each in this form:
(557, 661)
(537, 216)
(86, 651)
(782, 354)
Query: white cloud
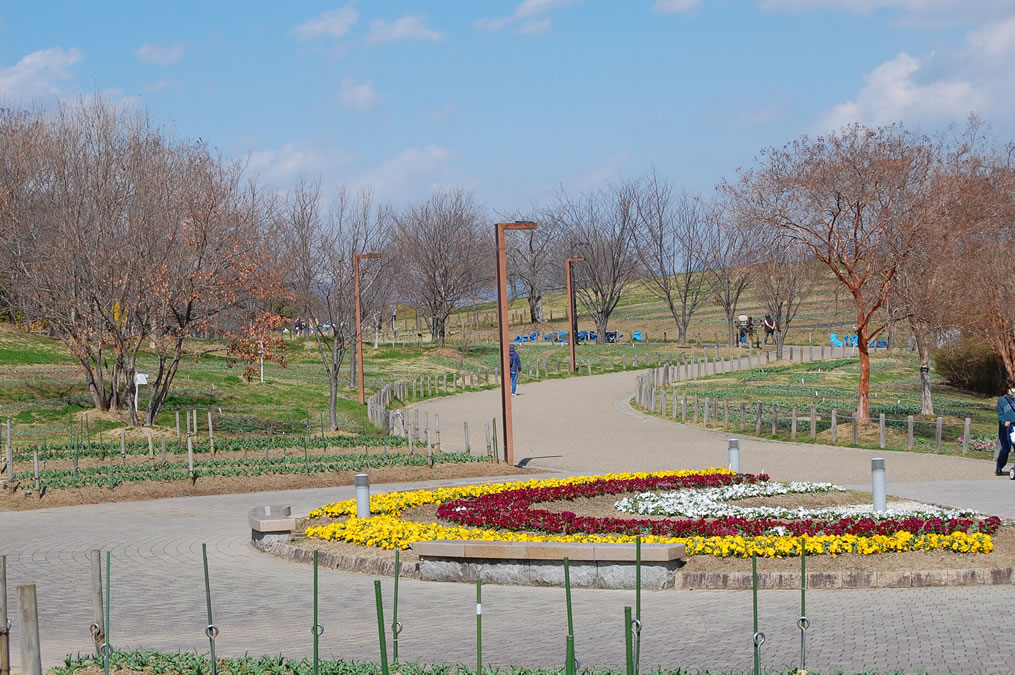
(943, 86)
(280, 166)
(156, 87)
(411, 173)
(537, 7)
(535, 26)
(674, 6)
(38, 73)
(607, 169)
(333, 23)
(912, 12)
(405, 28)
(160, 54)
(525, 13)
(360, 97)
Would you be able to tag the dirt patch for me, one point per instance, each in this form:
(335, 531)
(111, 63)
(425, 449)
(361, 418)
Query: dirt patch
(220, 485)
(1002, 556)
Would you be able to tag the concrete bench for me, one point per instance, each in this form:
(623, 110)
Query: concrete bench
(270, 524)
(541, 563)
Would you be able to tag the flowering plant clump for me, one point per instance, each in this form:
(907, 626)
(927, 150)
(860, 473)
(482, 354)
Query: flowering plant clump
(501, 512)
(710, 503)
(981, 443)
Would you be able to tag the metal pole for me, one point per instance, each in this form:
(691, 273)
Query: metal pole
(211, 630)
(878, 485)
(380, 628)
(359, 319)
(759, 637)
(479, 626)
(628, 646)
(503, 320)
(362, 481)
(317, 629)
(637, 578)
(5, 624)
(803, 623)
(396, 627)
(107, 647)
(567, 596)
(572, 319)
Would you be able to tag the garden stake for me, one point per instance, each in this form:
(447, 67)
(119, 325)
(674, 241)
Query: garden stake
(567, 596)
(106, 648)
(628, 647)
(380, 628)
(569, 667)
(396, 627)
(637, 578)
(803, 623)
(211, 630)
(759, 637)
(111, 471)
(318, 629)
(479, 626)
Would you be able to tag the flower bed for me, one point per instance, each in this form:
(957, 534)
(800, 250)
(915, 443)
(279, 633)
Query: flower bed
(502, 512)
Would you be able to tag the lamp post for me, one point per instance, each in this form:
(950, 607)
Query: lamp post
(502, 319)
(359, 319)
(572, 319)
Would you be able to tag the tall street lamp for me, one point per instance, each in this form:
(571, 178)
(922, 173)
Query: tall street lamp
(502, 319)
(359, 319)
(572, 318)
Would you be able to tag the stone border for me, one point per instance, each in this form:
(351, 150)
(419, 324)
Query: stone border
(705, 581)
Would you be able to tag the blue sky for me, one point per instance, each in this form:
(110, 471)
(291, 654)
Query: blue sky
(513, 99)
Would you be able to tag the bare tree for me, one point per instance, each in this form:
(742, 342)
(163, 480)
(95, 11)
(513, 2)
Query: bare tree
(784, 277)
(125, 235)
(444, 252)
(852, 198)
(319, 255)
(671, 248)
(730, 250)
(600, 226)
(533, 259)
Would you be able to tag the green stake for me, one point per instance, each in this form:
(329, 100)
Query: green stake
(569, 668)
(628, 647)
(395, 627)
(803, 580)
(380, 628)
(317, 634)
(754, 587)
(479, 626)
(637, 578)
(567, 596)
(108, 648)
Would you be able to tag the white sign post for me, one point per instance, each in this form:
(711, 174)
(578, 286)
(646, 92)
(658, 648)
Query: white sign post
(139, 379)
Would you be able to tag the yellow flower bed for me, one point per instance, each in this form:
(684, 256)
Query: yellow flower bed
(388, 531)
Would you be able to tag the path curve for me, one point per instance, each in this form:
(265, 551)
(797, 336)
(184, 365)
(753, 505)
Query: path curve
(578, 426)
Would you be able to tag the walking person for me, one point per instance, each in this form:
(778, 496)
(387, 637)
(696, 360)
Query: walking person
(1005, 424)
(516, 367)
(769, 328)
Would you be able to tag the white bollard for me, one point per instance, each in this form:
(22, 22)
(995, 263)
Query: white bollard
(878, 480)
(734, 455)
(362, 495)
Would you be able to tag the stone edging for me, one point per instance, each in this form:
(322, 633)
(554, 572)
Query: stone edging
(705, 581)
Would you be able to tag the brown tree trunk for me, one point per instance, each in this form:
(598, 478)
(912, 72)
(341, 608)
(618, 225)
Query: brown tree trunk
(863, 413)
(536, 307)
(779, 338)
(923, 348)
(601, 325)
(333, 401)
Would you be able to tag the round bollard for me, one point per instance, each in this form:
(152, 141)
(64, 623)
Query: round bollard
(734, 455)
(878, 485)
(362, 495)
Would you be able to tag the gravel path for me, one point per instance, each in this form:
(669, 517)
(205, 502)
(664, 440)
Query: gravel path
(577, 426)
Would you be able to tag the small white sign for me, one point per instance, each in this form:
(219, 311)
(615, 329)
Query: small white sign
(140, 378)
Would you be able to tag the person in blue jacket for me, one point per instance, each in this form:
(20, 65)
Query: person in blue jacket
(516, 367)
(1005, 420)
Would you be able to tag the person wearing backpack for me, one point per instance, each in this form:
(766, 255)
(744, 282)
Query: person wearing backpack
(1005, 424)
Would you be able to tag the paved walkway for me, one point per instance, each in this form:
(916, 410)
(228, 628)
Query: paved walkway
(263, 605)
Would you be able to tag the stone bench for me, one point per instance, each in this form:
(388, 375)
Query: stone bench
(541, 563)
(270, 524)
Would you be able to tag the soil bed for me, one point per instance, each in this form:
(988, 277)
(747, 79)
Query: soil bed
(1002, 556)
(220, 485)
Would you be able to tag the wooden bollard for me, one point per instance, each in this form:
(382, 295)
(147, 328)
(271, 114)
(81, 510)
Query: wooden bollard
(468, 447)
(856, 431)
(743, 415)
(938, 434)
(881, 429)
(909, 432)
(835, 425)
(177, 425)
(792, 424)
(28, 612)
(814, 423)
(95, 586)
(5, 636)
(965, 436)
(211, 434)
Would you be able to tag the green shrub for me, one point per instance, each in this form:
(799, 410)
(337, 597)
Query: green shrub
(970, 364)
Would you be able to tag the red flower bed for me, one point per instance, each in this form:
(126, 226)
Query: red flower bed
(511, 510)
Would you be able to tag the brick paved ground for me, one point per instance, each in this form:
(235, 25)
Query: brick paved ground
(263, 605)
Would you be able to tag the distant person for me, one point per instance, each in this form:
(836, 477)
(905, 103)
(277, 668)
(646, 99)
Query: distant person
(769, 328)
(1005, 422)
(516, 367)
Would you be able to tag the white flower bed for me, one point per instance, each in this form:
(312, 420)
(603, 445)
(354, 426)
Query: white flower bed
(711, 503)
